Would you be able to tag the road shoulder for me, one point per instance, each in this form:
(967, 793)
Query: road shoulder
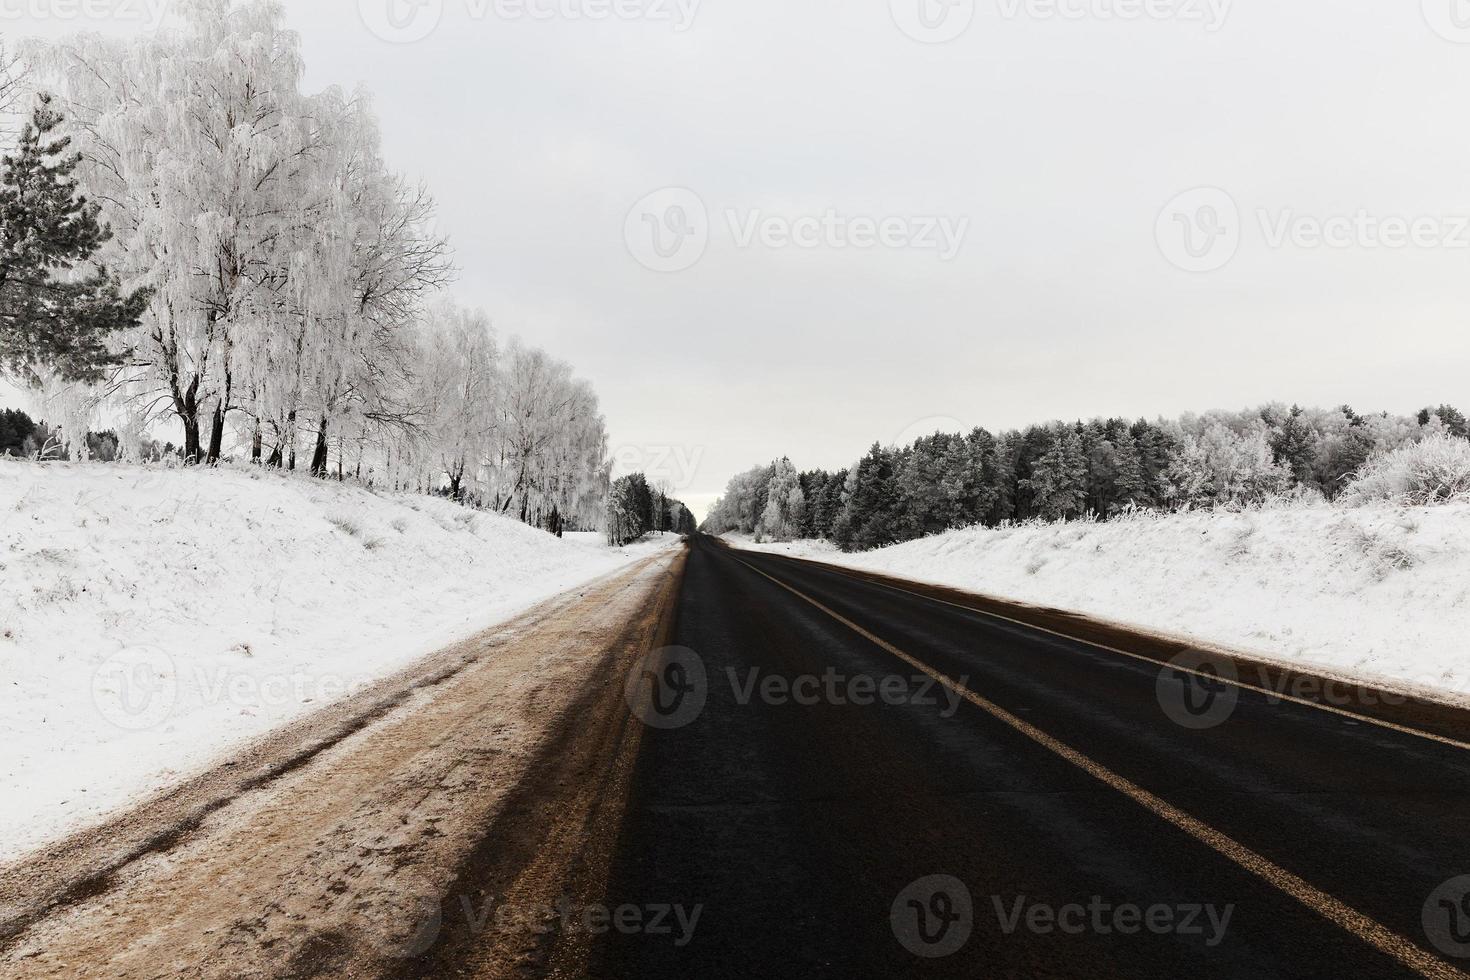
(315, 848)
(1437, 713)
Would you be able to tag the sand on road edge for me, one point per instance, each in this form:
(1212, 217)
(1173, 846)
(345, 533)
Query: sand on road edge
(362, 841)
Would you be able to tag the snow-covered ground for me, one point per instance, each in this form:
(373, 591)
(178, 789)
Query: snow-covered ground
(151, 618)
(1378, 592)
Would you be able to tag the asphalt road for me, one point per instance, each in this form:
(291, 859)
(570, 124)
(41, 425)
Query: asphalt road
(816, 804)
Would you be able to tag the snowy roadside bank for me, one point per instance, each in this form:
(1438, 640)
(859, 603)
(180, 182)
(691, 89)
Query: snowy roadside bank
(1377, 592)
(150, 619)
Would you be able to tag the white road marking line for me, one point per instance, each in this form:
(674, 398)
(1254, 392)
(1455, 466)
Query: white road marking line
(1331, 709)
(1368, 930)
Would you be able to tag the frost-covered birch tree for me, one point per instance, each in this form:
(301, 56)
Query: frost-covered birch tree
(458, 389)
(197, 141)
(551, 447)
(12, 88)
(785, 504)
(288, 262)
(291, 275)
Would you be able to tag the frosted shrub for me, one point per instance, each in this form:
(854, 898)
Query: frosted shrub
(346, 525)
(1435, 470)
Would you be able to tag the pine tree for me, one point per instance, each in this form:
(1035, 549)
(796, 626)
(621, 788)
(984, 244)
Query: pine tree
(978, 464)
(931, 478)
(1294, 446)
(813, 482)
(1453, 419)
(1058, 481)
(872, 513)
(1102, 466)
(51, 318)
(1345, 458)
(15, 428)
(629, 509)
(828, 506)
(1027, 448)
(1156, 451)
(1129, 486)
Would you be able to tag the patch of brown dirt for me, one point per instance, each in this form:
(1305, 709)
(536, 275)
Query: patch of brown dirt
(359, 842)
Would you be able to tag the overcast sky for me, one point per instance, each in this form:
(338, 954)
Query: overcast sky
(976, 213)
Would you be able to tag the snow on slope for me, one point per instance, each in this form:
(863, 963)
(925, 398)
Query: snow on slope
(151, 618)
(1377, 591)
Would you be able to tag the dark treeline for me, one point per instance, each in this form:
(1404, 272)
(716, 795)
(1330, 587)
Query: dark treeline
(16, 433)
(635, 508)
(20, 436)
(1064, 471)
